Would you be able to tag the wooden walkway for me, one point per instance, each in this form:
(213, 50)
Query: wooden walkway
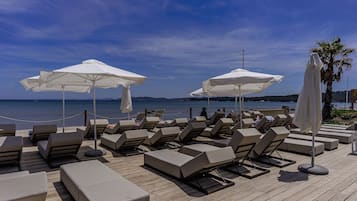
(280, 184)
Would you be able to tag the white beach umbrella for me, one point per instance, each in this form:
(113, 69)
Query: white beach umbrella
(308, 109)
(34, 84)
(239, 82)
(94, 74)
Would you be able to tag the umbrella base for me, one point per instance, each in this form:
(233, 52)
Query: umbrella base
(316, 169)
(94, 153)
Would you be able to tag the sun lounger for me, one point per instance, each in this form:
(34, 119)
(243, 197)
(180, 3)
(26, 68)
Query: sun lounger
(192, 130)
(301, 146)
(329, 143)
(192, 170)
(268, 144)
(234, 116)
(127, 141)
(279, 120)
(10, 150)
(101, 125)
(41, 132)
(215, 117)
(337, 130)
(149, 123)
(255, 114)
(222, 126)
(121, 126)
(94, 181)
(342, 137)
(180, 122)
(162, 135)
(242, 143)
(60, 145)
(7, 130)
(246, 123)
(23, 186)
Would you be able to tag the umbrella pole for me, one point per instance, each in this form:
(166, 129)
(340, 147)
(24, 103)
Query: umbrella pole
(63, 110)
(240, 108)
(95, 152)
(313, 150)
(207, 103)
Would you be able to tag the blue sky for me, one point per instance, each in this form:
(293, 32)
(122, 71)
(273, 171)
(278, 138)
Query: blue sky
(176, 44)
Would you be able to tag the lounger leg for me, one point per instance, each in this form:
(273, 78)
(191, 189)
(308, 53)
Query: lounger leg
(217, 183)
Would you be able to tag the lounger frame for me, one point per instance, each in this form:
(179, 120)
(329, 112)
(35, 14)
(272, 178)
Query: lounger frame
(267, 157)
(52, 154)
(194, 180)
(16, 160)
(237, 166)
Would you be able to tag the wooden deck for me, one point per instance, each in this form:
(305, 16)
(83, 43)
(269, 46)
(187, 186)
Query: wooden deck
(280, 184)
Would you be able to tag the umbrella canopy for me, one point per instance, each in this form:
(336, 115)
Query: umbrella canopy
(95, 74)
(126, 105)
(308, 109)
(239, 82)
(34, 84)
(92, 72)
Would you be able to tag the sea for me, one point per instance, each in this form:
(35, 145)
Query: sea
(26, 113)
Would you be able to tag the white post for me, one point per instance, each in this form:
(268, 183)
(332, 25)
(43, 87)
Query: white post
(63, 110)
(313, 150)
(240, 107)
(208, 103)
(128, 115)
(95, 117)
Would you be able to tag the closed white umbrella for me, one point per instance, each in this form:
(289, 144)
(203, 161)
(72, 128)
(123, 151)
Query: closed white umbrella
(239, 82)
(126, 105)
(94, 74)
(34, 84)
(308, 109)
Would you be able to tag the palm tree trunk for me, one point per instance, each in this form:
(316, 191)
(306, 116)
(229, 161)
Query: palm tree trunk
(326, 110)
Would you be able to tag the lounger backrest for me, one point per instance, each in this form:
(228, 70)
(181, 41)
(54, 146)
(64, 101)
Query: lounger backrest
(149, 122)
(222, 126)
(271, 140)
(10, 148)
(125, 125)
(167, 134)
(44, 129)
(7, 129)
(247, 123)
(234, 116)
(255, 114)
(131, 138)
(101, 124)
(264, 124)
(215, 117)
(243, 140)
(140, 116)
(180, 122)
(192, 130)
(279, 120)
(63, 144)
(246, 115)
(206, 161)
(199, 119)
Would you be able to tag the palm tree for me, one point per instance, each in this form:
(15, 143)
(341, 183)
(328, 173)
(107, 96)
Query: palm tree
(335, 57)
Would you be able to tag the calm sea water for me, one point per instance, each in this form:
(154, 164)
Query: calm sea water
(44, 110)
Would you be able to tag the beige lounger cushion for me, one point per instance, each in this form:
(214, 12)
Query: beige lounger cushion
(270, 140)
(181, 165)
(221, 127)
(329, 143)
(342, 137)
(24, 186)
(163, 135)
(65, 143)
(122, 126)
(280, 120)
(92, 180)
(7, 129)
(180, 122)
(301, 146)
(215, 117)
(192, 130)
(337, 131)
(130, 138)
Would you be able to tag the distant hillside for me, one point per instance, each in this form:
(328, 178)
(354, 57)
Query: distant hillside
(338, 96)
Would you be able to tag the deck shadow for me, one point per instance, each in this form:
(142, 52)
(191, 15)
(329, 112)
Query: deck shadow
(184, 187)
(288, 177)
(62, 191)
